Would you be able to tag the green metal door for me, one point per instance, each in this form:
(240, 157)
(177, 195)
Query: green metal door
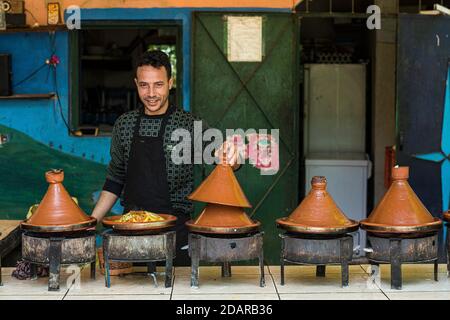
(259, 95)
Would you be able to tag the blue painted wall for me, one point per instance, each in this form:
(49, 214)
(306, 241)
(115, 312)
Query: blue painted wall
(40, 119)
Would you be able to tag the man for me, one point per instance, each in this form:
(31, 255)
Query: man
(141, 170)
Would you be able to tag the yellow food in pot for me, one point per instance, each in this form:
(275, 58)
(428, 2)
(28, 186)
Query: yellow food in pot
(140, 216)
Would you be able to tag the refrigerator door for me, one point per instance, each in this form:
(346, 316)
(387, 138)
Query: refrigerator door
(335, 108)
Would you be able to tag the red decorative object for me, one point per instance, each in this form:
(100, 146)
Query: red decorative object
(389, 163)
(54, 60)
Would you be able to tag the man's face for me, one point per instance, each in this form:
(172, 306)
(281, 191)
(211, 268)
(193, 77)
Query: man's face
(153, 88)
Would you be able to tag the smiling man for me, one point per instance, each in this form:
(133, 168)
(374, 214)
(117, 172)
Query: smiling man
(153, 88)
(141, 171)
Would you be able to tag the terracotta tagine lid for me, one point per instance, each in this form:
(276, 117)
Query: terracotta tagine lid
(447, 216)
(57, 211)
(318, 213)
(400, 210)
(224, 213)
(220, 219)
(221, 187)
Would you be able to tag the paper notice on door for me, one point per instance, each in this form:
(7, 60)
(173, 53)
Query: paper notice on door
(244, 43)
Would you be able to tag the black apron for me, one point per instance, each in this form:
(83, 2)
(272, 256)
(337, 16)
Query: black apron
(146, 186)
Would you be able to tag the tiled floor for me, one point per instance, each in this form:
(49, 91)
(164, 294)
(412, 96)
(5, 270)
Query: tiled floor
(301, 283)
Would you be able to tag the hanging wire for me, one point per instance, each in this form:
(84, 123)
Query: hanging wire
(52, 39)
(32, 15)
(48, 62)
(31, 75)
(59, 100)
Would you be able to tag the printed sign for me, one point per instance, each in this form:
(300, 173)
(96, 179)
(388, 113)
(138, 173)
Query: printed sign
(244, 42)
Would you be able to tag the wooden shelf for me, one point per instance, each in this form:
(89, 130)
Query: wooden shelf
(60, 27)
(29, 96)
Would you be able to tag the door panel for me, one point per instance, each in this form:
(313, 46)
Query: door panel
(423, 68)
(259, 95)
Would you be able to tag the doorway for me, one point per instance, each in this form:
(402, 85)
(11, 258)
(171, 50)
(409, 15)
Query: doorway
(336, 64)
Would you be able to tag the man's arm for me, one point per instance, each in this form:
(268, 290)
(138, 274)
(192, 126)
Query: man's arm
(105, 203)
(115, 173)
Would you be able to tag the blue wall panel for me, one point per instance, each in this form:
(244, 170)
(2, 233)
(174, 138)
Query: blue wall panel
(41, 119)
(422, 111)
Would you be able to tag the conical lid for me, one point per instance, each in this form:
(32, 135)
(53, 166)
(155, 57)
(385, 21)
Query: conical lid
(57, 210)
(216, 218)
(221, 187)
(318, 213)
(400, 209)
(447, 216)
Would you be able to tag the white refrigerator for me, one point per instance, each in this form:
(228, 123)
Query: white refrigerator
(335, 139)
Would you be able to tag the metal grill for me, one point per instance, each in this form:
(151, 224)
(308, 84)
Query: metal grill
(402, 250)
(149, 248)
(317, 250)
(225, 249)
(54, 250)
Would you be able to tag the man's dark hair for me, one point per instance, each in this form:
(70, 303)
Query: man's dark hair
(156, 59)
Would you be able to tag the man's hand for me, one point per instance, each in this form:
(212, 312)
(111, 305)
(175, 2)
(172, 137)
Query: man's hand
(228, 153)
(103, 206)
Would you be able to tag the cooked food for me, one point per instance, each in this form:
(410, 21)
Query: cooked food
(140, 216)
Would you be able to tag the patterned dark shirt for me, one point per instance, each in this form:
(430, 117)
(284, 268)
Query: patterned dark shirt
(180, 177)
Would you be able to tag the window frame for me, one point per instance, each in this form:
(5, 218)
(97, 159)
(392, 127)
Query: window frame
(75, 58)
